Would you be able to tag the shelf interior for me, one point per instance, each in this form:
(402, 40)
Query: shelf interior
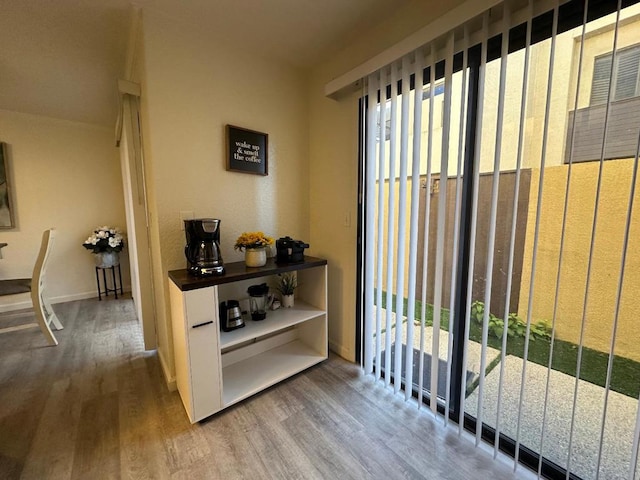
(250, 376)
(276, 320)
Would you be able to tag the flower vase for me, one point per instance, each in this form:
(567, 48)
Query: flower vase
(107, 259)
(255, 257)
(287, 301)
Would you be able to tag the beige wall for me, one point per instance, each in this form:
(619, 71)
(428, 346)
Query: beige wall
(334, 196)
(64, 175)
(193, 85)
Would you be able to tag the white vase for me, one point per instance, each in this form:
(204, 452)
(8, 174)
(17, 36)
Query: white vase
(255, 257)
(287, 301)
(107, 259)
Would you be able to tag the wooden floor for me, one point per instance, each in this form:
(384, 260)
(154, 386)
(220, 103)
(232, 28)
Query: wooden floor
(96, 407)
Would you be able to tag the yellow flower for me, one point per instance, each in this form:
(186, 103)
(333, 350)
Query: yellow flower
(252, 240)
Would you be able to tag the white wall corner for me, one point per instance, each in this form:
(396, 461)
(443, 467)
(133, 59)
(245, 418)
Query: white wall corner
(135, 27)
(169, 379)
(344, 352)
(129, 87)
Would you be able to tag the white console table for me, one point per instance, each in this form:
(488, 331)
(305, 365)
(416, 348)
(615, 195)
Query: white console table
(215, 369)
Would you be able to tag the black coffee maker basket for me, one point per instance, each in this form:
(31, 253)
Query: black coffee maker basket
(289, 250)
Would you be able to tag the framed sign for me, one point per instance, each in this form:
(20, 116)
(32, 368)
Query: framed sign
(6, 212)
(247, 151)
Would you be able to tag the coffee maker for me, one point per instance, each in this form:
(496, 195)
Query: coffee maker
(203, 247)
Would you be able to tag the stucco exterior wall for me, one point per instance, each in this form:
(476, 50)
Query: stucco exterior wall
(601, 296)
(616, 179)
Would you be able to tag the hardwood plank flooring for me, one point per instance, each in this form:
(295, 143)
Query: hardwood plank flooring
(96, 406)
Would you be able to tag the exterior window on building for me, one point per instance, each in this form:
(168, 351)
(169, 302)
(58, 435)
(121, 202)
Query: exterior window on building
(586, 134)
(627, 80)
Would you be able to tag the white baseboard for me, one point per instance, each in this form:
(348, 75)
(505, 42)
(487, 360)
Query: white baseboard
(22, 304)
(168, 378)
(346, 353)
(73, 297)
(23, 301)
(82, 296)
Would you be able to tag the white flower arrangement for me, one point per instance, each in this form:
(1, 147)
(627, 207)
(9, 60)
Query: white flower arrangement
(104, 239)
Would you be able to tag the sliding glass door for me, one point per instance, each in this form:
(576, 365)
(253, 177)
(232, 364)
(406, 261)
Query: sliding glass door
(500, 221)
(409, 181)
(560, 381)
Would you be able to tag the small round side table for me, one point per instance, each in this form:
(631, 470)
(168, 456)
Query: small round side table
(114, 284)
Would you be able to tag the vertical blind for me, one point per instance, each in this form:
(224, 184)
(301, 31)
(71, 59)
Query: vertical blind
(459, 136)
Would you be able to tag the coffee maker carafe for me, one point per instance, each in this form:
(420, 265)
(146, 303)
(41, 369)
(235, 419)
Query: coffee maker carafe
(203, 246)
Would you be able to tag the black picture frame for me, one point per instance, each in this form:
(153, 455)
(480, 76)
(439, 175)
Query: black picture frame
(247, 151)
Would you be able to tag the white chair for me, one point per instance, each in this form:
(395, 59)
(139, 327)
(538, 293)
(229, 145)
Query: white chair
(43, 310)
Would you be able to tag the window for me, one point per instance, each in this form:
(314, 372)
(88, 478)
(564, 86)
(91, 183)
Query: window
(626, 76)
(586, 133)
(426, 93)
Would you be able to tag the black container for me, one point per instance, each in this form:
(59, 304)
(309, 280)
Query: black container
(289, 250)
(203, 247)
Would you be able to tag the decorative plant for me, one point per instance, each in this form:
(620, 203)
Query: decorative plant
(541, 328)
(516, 326)
(287, 283)
(477, 311)
(252, 240)
(104, 239)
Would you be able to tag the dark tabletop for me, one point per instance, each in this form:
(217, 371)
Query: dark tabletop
(239, 271)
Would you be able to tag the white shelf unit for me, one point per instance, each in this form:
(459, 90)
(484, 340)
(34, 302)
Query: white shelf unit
(216, 369)
(254, 373)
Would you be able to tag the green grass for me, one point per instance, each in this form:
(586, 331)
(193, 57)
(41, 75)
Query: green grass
(625, 376)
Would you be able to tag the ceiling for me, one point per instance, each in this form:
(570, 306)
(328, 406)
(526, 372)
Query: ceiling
(62, 58)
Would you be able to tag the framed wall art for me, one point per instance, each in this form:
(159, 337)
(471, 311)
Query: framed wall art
(247, 151)
(6, 210)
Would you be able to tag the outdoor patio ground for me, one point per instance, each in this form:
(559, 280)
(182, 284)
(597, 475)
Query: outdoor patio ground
(619, 426)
